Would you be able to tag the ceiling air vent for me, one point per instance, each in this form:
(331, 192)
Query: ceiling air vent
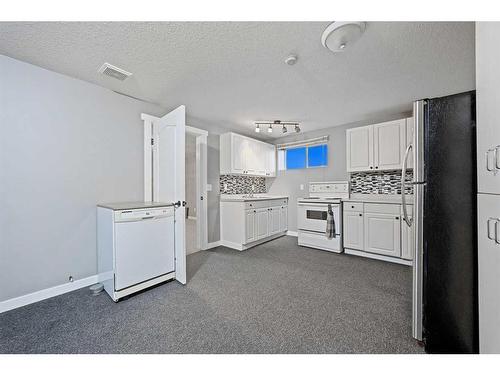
(113, 71)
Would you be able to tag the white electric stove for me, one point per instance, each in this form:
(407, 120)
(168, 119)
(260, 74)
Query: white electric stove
(312, 212)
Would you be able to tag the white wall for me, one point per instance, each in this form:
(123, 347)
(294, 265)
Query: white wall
(65, 145)
(288, 182)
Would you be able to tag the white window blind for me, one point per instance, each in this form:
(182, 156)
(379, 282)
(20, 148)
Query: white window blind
(303, 143)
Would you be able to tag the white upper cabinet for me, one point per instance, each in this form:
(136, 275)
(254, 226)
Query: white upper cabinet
(238, 161)
(487, 105)
(389, 144)
(247, 156)
(270, 160)
(376, 147)
(359, 149)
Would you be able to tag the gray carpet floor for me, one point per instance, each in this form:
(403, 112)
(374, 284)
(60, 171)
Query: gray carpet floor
(274, 298)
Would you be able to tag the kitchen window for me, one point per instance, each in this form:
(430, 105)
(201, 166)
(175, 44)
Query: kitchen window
(303, 154)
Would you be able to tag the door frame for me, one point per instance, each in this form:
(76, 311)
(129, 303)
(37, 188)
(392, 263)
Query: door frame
(201, 186)
(201, 175)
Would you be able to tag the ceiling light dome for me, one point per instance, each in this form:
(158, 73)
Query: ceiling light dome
(340, 35)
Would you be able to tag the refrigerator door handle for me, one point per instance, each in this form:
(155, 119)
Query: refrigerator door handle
(407, 220)
(488, 232)
(496, 232)
(496, 158)
(495, 167)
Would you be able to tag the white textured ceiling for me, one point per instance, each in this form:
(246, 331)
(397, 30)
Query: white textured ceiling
(229, 74)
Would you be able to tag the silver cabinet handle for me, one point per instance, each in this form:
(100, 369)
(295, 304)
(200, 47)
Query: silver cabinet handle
(488, 233)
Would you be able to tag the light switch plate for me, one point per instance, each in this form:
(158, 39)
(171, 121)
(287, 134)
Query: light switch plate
(209, 187)
(301, 186)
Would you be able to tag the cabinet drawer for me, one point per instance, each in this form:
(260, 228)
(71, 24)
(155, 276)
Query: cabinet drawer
(353, 206)
(266, 203)
(382, 208)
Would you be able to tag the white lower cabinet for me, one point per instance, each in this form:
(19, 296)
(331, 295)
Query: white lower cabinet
(376, 230)
(250, 221)
(262, 220)
(383, 234)
(274, 220)
(246, 224)
(489, 272)
(284, 218)
(353, 230)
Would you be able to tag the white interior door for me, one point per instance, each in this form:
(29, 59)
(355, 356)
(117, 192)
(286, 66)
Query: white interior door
(168, 135)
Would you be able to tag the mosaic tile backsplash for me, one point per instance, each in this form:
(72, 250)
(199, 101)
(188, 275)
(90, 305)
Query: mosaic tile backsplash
(383, 182)
(242, 184)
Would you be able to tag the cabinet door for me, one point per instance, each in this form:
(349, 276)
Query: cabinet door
(383, 234)
(389, 144)
(488, 110)
(262, 220)
(249, 157)
(407, 236)
(359, 147)
(284, 219)
(270, 161)
(274, 220)
(353, 230)
(410, 124)
(259, 157)
(489, 273)
(238, 153)
(250, 224)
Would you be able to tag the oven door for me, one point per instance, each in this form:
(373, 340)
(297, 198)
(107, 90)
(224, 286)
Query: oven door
(312, 217)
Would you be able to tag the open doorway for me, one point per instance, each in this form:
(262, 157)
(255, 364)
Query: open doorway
(196, 189)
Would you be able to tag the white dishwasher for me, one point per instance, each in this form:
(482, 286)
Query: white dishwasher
(135, 246)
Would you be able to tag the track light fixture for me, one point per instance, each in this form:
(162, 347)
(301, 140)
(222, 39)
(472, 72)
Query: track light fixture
(283, 125)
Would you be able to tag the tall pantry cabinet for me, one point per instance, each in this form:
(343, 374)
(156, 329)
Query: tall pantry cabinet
(488, 170)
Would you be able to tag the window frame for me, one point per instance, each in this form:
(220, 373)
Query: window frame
(306, 147)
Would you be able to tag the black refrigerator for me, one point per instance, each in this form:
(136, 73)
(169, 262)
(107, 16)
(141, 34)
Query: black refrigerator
(445, 297)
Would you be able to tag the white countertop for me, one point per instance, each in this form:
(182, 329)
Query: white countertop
(246, 198)
(379, 198)
(133, 205)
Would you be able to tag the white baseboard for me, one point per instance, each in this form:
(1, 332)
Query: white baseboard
(378, 257)
(211, 245)
(40, 295)
(292, 233)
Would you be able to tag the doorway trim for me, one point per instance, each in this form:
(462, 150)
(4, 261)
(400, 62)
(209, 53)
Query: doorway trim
(201, 186)
(201, 176)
